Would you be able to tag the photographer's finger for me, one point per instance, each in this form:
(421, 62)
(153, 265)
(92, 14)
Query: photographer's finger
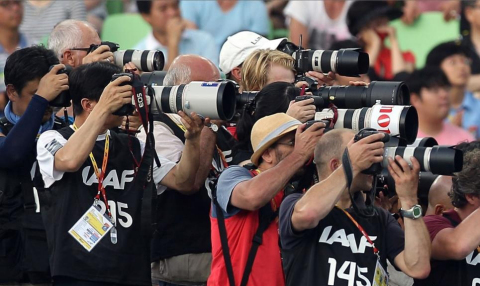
(395, 167)
(372, 138)
(376, 146)
(56, 68)
(403, 164)
(120, 80)
(415, 165)
(102, 49)
(196, 119)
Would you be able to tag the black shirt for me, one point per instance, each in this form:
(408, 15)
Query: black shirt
(335, 252)
(472, 54)
(126, 262)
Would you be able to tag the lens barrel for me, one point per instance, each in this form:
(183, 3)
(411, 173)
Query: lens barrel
(439, 160)
(146, 60)
(215, 100)
(392, 119)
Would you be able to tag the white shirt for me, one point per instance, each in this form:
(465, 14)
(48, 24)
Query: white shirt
(322, 30)
(51, 141)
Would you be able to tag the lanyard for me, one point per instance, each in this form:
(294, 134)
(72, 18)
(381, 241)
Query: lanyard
(375, 249)
(101, 175)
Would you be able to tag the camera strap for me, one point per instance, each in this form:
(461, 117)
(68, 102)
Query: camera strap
(145, 169)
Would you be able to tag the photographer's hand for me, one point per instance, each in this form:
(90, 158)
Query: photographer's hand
(365, 152)
(134, 122)
(132, 68)
(303, 110)
(306, 140)
(115, 96)
(194, 125)
(52, 83)
(102, 53)
(321, 78)
(406, 180)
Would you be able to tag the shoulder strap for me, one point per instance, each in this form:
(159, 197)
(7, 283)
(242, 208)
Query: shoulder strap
(177, 131)
(266, 216)
(223, 234)
(5, 125)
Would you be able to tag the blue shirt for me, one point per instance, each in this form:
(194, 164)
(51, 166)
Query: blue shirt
(228, 180)
(23, 43)
(193, 42)
(471, 115)
(244, 16)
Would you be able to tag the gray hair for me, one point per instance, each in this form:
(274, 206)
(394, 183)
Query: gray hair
(178, 74)
(66, 35)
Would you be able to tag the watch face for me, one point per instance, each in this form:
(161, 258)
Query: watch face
(214, 127)
(417, 211)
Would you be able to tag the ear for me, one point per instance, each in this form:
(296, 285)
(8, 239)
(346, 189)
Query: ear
(237, 73)
(268, 156)
(469, 13)
(415, 99)
(333, 164)
(146, 17)
(12, 93)
(87, 104)
(68, 58)
(439, 209)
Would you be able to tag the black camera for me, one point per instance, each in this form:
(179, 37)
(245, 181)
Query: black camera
(328, 124)
(439, 160)
(126, 109)
(63, 99)
(144, 60)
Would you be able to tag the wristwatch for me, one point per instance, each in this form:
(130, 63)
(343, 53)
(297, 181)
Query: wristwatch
(213, 127)
(413, 213)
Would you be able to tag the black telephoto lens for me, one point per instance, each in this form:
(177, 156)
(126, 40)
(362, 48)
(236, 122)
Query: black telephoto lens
(388, 93)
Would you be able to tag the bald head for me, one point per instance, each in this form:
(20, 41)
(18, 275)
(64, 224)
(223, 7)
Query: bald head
(438, 199)
(187, 68)
(331, 146)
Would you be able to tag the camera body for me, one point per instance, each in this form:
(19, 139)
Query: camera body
(375, 168)
(64, 98)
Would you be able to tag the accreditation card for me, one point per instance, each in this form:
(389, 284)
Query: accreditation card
(91, 228)
(381, 276)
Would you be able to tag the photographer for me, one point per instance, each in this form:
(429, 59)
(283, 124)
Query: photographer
(71, 40)
(30, 86)
(266, 66)
(429, 94)
(248, 200)
(73, 180)
(181, 247)
(455, 234)
(238, 47)
(323, 239)
(273, 98)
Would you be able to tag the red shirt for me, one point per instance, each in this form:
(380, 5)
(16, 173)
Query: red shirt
(383, 65)
(267, 267)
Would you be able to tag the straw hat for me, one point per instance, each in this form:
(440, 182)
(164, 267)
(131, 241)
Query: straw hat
(268, 130)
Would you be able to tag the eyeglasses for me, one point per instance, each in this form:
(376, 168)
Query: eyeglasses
(290, 143)
(8, 4)
(80, 49)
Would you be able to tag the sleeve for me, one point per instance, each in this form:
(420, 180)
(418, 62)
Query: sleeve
(189, 11)
(21, 139)
(166, 144)
(227, 182)
(297, 11)
(159, 172)
(47, 146)
(260, 20)
(78, 10)
(288, 237)
(436, 223)
(395, 237)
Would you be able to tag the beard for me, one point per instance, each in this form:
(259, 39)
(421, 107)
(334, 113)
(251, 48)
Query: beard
(47, 115)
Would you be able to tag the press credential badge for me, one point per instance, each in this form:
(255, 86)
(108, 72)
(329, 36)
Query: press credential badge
(91, 228)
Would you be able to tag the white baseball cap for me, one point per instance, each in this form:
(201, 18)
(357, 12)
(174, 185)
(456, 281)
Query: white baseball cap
(239, 46)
